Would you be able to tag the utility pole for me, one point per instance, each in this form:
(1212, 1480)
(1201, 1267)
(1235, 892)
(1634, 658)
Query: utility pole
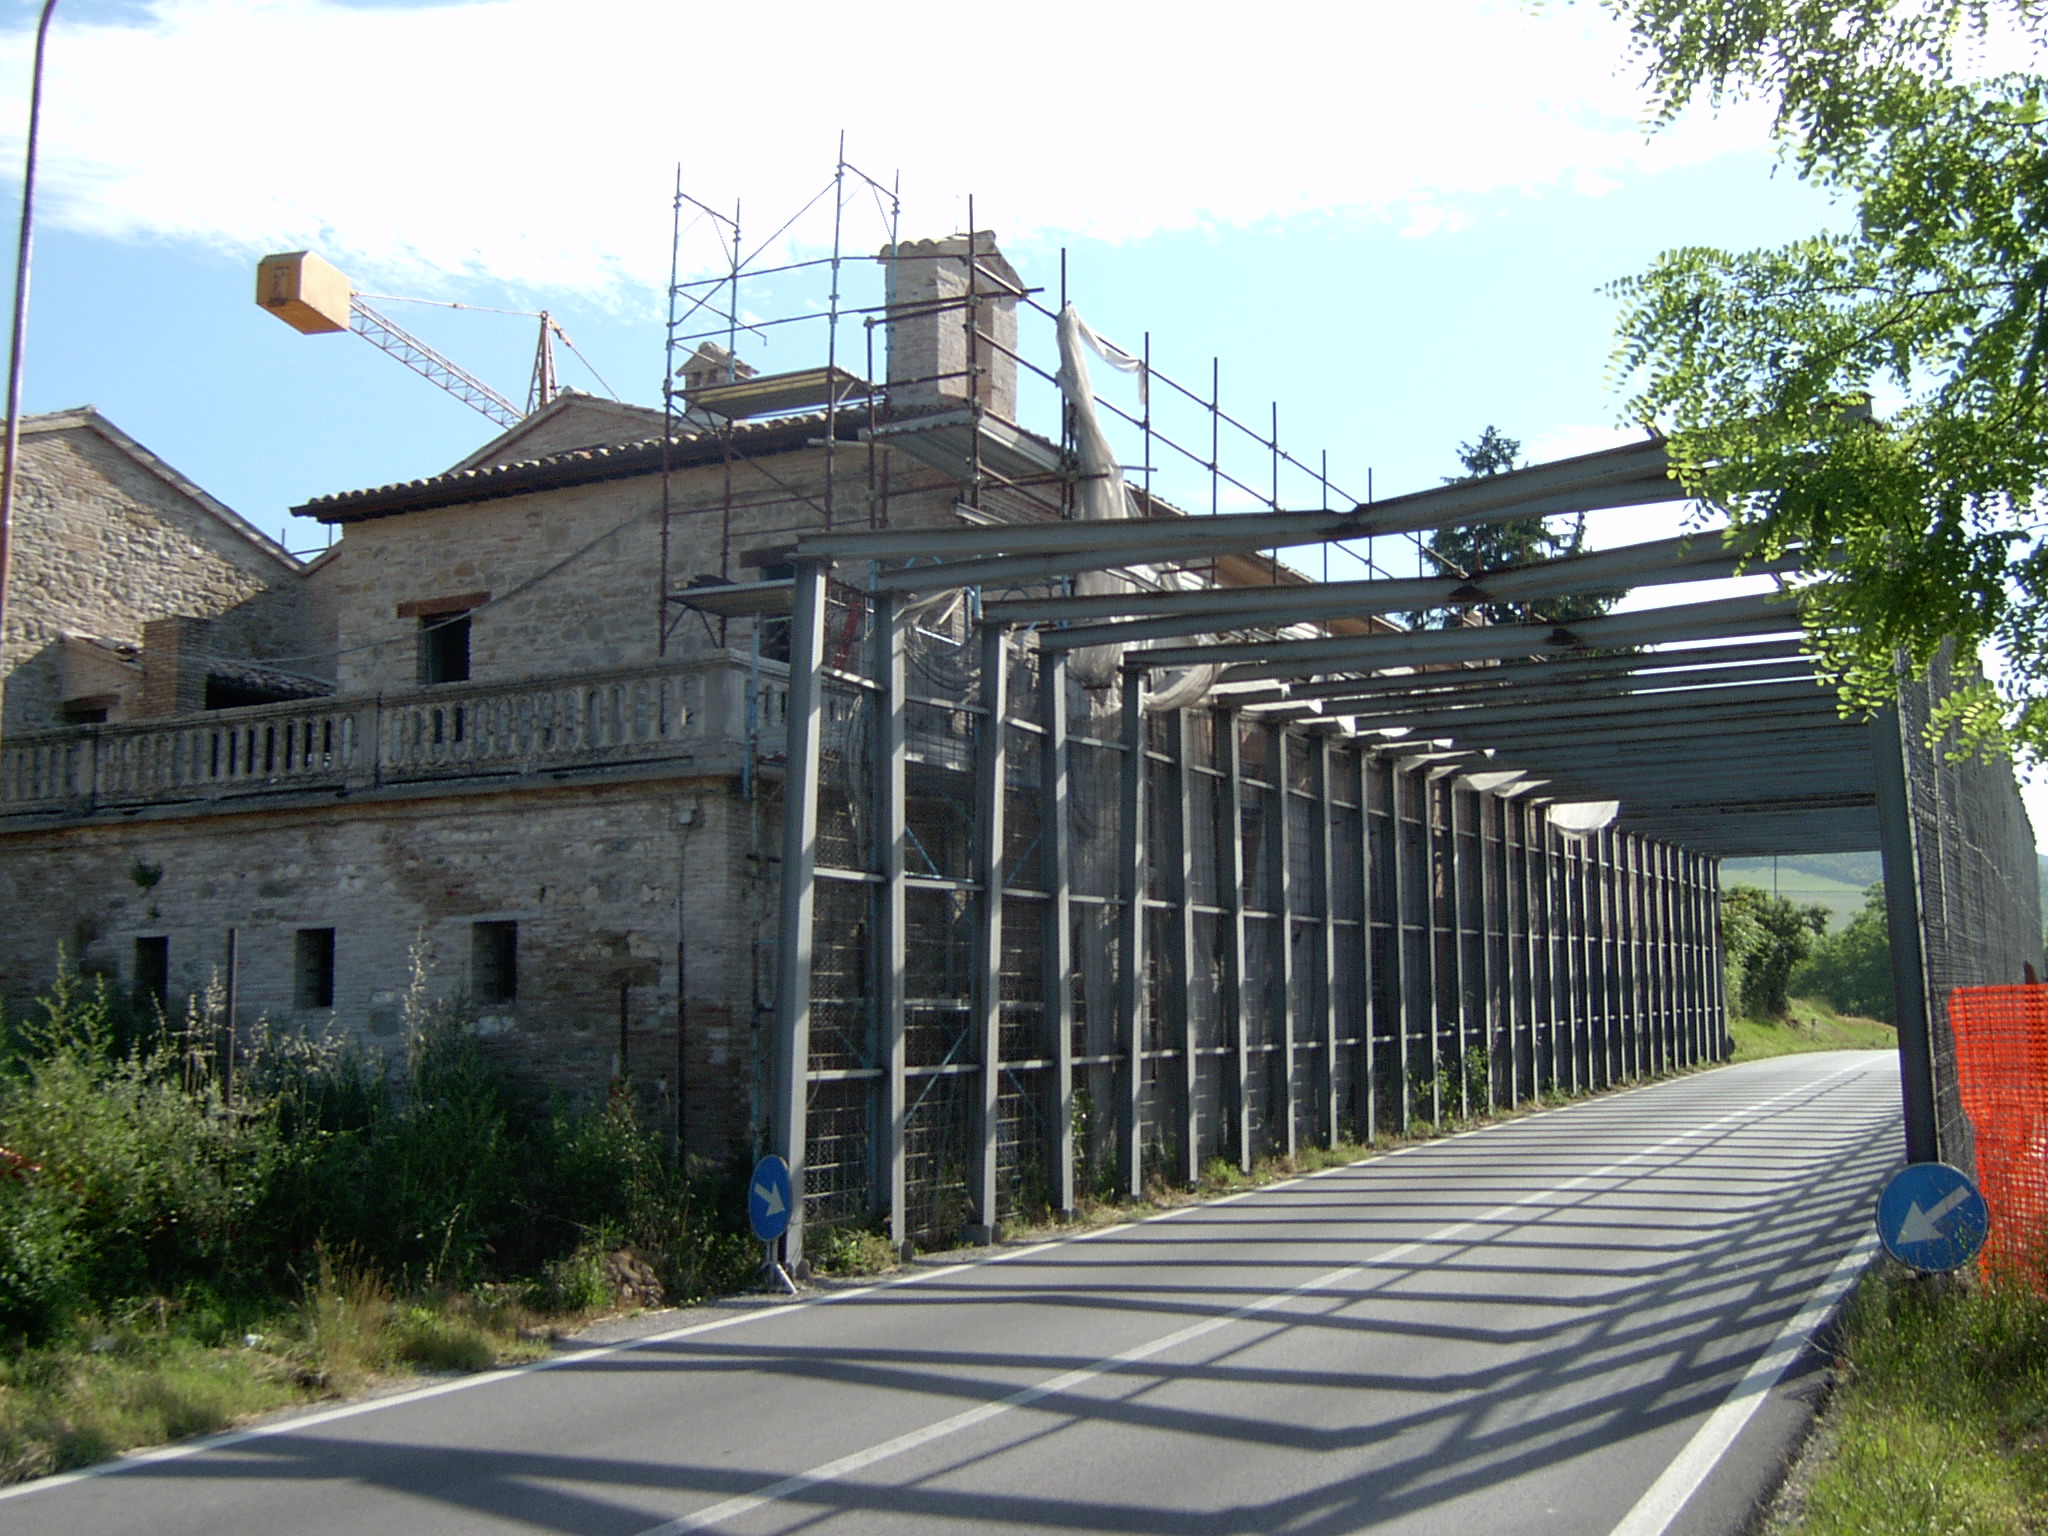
(9, 457)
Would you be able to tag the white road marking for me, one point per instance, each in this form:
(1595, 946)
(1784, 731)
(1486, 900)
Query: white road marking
(1656, 1509)
(141, 1460)
(886, 1450)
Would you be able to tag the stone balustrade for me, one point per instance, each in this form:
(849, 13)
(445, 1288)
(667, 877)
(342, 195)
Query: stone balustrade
(695, 712)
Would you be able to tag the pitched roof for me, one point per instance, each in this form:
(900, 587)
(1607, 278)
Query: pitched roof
(87, 418)
(580, 466)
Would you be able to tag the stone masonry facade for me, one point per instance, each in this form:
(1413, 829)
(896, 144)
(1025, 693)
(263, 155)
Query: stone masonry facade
(576, 828)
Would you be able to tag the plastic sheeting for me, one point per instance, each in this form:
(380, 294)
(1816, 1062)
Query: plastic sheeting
(1104, 495)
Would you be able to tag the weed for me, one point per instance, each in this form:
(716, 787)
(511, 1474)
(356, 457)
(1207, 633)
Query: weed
(852, 1251)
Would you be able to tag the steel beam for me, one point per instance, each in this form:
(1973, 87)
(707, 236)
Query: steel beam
(1248, 661)
(1144, 614)
(1591, 670)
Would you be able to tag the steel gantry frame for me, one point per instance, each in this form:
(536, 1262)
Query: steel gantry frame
(1333, 897)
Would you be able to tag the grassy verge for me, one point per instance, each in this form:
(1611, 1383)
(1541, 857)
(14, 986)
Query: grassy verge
(163, 1375)
(1809, 1026)
(1939, 1422)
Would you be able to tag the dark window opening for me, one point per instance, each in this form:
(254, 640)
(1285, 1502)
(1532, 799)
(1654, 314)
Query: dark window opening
(92, 711)
(152, 970)
(313, 968)
(227, 693)
(444, 648)
(494, 962)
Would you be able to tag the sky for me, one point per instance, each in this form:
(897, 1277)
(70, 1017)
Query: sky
(1386, 226)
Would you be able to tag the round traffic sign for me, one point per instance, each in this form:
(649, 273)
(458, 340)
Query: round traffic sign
(769, 1198)
(1932, 1218)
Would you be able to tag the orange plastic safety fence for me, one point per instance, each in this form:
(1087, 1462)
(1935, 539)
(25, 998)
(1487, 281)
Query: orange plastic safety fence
(2001, 1036)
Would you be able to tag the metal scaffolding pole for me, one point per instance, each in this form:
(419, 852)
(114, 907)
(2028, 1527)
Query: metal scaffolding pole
(891, 903)
(991, 777)
(799, 886)
(1130, 989)
(1398, 987)
(1055, 851)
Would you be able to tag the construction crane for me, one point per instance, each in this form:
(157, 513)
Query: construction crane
(314, 297)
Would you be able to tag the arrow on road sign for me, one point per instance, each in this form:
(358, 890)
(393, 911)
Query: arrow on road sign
(771, 1200)
(1925, 1226)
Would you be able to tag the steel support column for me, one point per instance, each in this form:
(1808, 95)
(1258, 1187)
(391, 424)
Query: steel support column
(1397, 951)
(1326, 943)
(991, 777)
(1182, 857)
(1130, 990)
(1280, 865)
(799, 886)
(1230, 875)
(890, 910)
(1055, 851)
(1368, 1062)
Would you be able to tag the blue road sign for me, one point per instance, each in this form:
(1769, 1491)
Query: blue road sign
(1931, 1217)
(769, 1197)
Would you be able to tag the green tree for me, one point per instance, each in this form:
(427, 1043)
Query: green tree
(1464, 551)
(1764, 937)
(1918, 520)
(1851, 971)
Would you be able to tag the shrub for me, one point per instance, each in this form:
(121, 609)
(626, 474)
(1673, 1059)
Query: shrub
(1764, 937)
(160, 1179)
(1851, 971)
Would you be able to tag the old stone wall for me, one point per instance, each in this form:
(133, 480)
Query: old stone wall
(567, 580)
(105, 540)
(613, 890)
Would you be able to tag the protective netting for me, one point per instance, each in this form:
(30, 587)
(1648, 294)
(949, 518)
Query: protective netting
(1332, 942)
(2001, 1058)
(1978, 888)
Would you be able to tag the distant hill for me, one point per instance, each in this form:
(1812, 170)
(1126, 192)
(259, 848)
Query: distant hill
(1836, 881)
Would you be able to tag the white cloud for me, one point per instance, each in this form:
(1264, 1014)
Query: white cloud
(538, 143)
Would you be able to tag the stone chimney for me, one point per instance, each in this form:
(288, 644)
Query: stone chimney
(930, 317)
(712, 364)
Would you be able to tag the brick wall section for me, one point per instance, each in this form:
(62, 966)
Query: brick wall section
(104, 542)
(603, 883)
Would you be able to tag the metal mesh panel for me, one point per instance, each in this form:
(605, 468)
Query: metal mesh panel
(1979, 888)
(837, 1152)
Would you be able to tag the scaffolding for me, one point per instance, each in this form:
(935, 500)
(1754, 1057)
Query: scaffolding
(1205, 458)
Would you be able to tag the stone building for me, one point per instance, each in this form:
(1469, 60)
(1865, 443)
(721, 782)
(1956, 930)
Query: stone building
(476, 726)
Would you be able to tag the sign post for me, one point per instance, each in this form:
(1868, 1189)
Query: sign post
(1932, 1218)
(770, 1197)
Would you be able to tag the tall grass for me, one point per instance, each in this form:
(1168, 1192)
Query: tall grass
(150, 1174)
(1940, 1419)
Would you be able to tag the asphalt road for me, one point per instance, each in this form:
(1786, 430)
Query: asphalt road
(1553, 1324)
